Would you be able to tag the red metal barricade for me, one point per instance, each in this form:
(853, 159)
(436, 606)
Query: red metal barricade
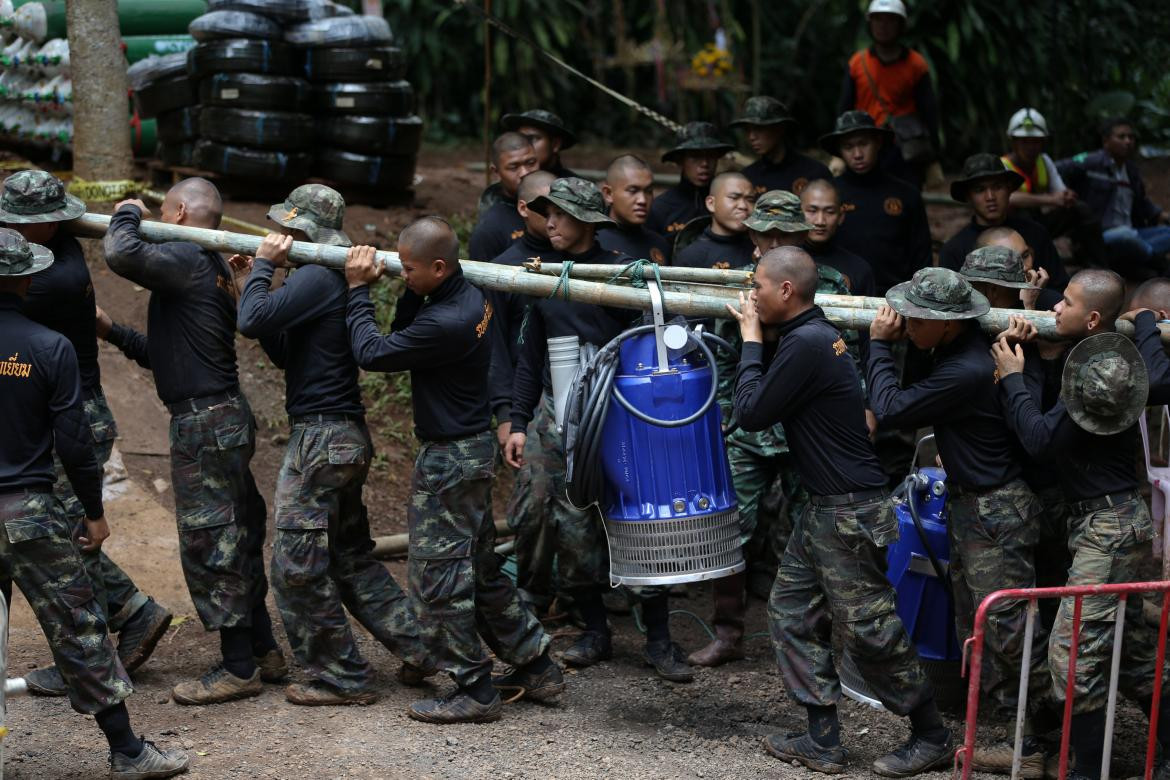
(973, 660)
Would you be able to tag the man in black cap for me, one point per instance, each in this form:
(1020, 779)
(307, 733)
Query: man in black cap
(1090, 434)
(885, 217)
(987, 185)
(767, 126)
(628, 190)
(696, 151)
(40, 398)
(993, 516)
(190, 345)
(61, 298)
(821, 204)
(724, 243)
(833, 570)
(499, 225)
(548, 135)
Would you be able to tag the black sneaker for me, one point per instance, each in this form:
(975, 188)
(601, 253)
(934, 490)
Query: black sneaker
(456, 707)
(150, 763)
(803, 749)
(915, 757)
(140, 634)
(590, 647)
(669, 661)
(46, 682)
(520, 683)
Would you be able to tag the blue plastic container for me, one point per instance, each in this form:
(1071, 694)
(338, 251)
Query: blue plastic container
(670, 508)
(924, 604)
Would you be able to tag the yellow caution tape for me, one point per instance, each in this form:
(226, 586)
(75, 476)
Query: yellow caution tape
(104, 190)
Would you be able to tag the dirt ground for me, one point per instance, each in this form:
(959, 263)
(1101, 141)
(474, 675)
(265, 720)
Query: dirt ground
(616, 720)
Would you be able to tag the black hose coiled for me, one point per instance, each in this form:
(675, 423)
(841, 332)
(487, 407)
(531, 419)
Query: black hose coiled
(588, 407)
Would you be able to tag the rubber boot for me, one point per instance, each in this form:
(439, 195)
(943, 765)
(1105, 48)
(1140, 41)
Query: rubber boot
(729, 612)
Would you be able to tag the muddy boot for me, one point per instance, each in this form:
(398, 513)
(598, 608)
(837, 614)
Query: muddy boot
(804, 750)
(915, 756)
(218, 685)
(456, 707)
(273, 668)
(540, 680)
(729, 611)
(46, 682)
(997, 759)
(140, 634)
(150, 763)
(318, 694)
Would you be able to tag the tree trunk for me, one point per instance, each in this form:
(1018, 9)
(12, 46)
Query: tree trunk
(101, 124)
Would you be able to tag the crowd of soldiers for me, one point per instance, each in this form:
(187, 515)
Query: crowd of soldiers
(1038, 438)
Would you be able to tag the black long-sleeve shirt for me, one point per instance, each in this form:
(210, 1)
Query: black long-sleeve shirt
(885, 222)
(508, 310)
(40, 402)
(1087, 464)
(445, 347)
(960, 398)
(673, 209)
(191, 319)
(811, 387)
(712, 250)
(636, 241)
(857, 271)
(1045, 256)
(302, 329)
(1148, 339)
(550, 317)
(792, 173)
(498, 227)
(61, 298)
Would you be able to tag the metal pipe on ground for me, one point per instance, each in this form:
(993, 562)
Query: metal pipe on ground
(846, 311)
(397, 545)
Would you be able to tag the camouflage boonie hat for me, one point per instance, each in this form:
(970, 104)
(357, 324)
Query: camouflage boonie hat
(777, 210)
(578, 198)
(316, 210)
(764, 110)
(1105, 384)
(937, 294)
(983, 166)
(995, 265)
(545, 120)
(848, 123)
(37, 196)
(697, 137)
(20, 258)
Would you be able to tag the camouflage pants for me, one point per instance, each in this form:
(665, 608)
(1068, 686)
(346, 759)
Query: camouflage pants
(834, 570)
(764, 533)
(116, 594)
(221, 515)
(577, 536)
(1108, 546)
(455, 580)
(526, 512)
(993, 539)
(37, 552)
(321, 558)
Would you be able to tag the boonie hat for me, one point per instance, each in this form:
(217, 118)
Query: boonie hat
(764, 110)
(848, 123)
(697, 137)
(20, 258)
(777, 210)
(1105, 384)
(1027, 123)
(34, 196)
(982, 166)
(995, 265)
(578, 198)
(937, 294)
(316, 210)
(545, 120)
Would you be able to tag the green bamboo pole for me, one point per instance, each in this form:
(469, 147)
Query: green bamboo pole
(846, 311)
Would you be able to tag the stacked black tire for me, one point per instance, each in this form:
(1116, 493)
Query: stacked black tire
(368, 135)
(253, 121)
(162, 89)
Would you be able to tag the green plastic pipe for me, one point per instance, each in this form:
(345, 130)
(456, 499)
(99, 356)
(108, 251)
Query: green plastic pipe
(139, 47)
(135, 17)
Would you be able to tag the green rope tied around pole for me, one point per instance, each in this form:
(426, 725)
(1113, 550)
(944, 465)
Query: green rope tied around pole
(636, 271)
(562, 283)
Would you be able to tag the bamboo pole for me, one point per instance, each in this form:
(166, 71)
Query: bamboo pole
(667, 273)
(847, 311)
(398, 544)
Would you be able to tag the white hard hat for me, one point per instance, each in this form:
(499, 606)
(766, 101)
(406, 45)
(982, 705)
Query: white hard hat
(1027, 123)
(896, 7)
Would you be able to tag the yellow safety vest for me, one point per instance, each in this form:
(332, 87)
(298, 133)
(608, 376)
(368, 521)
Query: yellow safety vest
(1037, 182)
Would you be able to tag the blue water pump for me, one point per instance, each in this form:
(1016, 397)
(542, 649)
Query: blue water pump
(644, 442)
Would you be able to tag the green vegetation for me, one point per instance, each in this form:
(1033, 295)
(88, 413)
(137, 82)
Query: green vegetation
(1074, 60)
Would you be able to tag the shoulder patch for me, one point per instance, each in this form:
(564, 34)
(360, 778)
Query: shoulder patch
(839, 348)
(517, 234)
(799, 185)
(482, 327)
(893, 206)
(847, 207)
(674, 227)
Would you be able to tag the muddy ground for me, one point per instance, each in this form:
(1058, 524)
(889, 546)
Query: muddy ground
(616, 720)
